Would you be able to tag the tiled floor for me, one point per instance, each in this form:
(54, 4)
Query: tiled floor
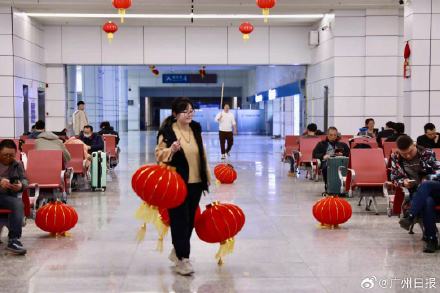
(280, 249)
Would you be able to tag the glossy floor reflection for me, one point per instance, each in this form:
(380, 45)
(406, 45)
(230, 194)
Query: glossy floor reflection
(280, 248)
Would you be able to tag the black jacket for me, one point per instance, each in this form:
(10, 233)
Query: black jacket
(424, 141)
(95, 142)
(393, 137)
(110, 131)
(320, 149)
(15, 170)
(384, 134)
(179, 160)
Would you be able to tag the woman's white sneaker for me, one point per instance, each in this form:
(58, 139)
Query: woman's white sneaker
(184, 267)
(173, 257)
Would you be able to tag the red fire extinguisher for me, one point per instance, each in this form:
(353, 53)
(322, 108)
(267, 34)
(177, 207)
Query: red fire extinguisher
(406, 66)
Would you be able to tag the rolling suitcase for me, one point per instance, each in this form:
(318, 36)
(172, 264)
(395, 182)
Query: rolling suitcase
(333, 181)
(99, 171)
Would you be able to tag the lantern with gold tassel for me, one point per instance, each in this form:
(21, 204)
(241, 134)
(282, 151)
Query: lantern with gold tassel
(225, 173)
(332, 211)
(121, 5)
(219, 223)
(266, 5)
(246, 28)
(110, 28)
(154, 70)
(56, 218)
(159, 186)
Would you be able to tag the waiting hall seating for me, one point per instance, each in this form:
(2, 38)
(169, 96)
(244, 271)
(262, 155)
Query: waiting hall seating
(388, 148)
(306, 147)
(45, 172)
(111, 150)
(291, 143)
(366, 173)
(363, 140)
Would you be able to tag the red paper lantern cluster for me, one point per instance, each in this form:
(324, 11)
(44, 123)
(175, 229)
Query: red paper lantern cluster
(246, 28)
(56, 217)
(225, 173)
(266, 5)
(332, 211)
(219, 222)
(159, 186)
(110, 28)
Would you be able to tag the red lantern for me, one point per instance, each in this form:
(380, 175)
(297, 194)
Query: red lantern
(110, 28)
(266, 5)
(154, 70)
(160, 186)
(219, 223)
(332, 211)
(246, 28)
(122, 5)
(406, 67)
(202, 72)
(56, 217)
(225, 173)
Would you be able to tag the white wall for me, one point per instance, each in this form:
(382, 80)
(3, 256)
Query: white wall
(359, 59)
(176, 45)
(22, 51)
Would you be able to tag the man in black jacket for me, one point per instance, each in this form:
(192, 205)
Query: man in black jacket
(12, 182)
(328, 148)
(430, 139)
(386, 132)
(92, 140)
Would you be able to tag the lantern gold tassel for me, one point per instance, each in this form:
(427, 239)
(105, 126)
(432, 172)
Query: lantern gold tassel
(162, 230)
(266, 14)
(225, 248)
(121, 14)
(141, 233)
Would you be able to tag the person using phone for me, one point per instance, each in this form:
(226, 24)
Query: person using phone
(12, 182)
(328, 148)
(410, 165)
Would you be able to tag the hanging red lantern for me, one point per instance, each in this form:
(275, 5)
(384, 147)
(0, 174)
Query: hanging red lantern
(225, 173)
(332, 211)
(266, 5)
(56, 218)
(110, 28)
(121, 5)
(406, 67)
(202, 72)
(154, 70)
(246, 28)
(219, 223)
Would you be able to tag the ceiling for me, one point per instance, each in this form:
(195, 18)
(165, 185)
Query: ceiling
(184, 7)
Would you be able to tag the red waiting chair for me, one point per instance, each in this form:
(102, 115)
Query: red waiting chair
(111, 150)
(306, 147)
(366, 171)
(388, 148)
(45, 171)
(364, 140)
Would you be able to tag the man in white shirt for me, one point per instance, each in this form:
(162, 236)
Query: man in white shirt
(79, 118)
(227, 124)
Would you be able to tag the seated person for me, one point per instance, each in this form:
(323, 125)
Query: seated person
(368, 130)
(93, 141)
(39, 128)
(12, 182)
(385, 133)
(49, 141)
(330, 147)
(409, 167)
(399, 130)
(311, 130)
(107, 129)
(431, 137)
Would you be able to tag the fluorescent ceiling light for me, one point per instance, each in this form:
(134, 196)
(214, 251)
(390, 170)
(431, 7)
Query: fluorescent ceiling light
(176, 16)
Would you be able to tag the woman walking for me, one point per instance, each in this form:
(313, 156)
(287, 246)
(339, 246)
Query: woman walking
(179, 144)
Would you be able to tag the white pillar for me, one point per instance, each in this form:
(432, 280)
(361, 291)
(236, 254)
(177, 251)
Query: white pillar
(422, 89)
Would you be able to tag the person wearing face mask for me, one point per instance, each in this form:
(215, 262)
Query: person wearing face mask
(411, 165)
(12, 182)
(180, 145)
(328, 148)
(93, 141)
